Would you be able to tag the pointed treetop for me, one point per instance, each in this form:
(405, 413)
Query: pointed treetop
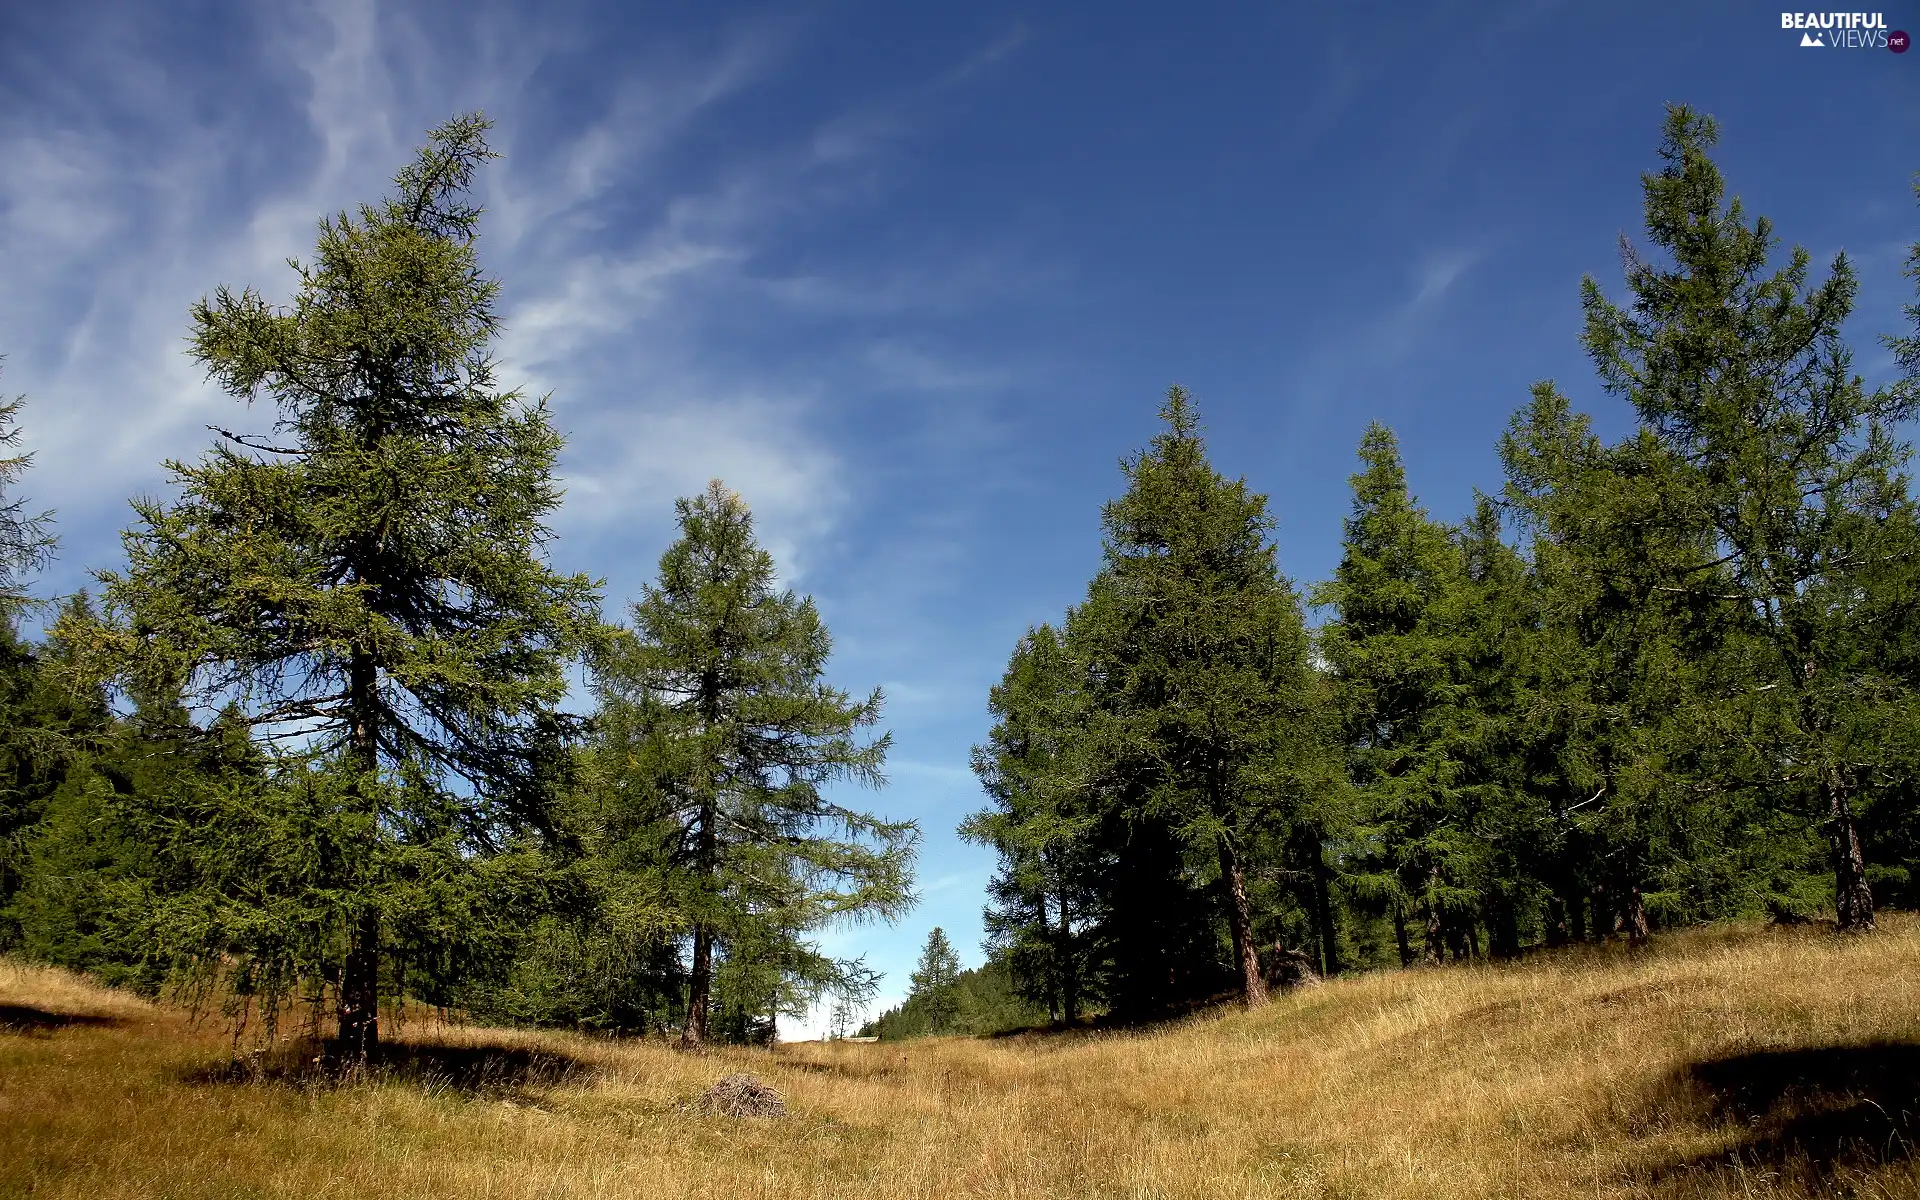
(719, 516)
(1686, 133)
(1383, 477)
(1179, 446)
(1683, 198)
(1180, 414)
(1174, 497)
(430, 191)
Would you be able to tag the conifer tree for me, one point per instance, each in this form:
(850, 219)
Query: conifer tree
(1628, 667)
(1393, 655)
(364, 591)
(1486, 725)
(1043, 900)
(34, 740)
(934, 979)
(51, 733)
(94, 859)
(1204, 702)
(1771, 442)
(719, 733)
(1891, 623)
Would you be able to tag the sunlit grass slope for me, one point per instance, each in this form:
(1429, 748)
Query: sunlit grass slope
(1744, 1061)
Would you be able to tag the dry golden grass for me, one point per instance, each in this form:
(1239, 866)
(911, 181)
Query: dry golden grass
(1739, 1061)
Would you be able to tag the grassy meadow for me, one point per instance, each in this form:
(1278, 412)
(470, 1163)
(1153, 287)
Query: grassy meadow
(1738, 1061)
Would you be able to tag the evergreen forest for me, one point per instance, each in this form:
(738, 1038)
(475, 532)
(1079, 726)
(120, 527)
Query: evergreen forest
(336, 738)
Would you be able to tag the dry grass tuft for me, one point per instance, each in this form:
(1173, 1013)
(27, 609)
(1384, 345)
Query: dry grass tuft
(740, 1095)
(1740, 1061)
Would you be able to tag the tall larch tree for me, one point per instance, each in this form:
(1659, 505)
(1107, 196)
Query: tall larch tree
(1393, 655)
(719, 729)
(1201, 653)
(1738, 370)
(365, 589)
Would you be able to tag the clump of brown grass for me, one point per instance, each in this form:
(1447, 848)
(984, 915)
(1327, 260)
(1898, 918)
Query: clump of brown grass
(1740, 1060)
(740, 1095)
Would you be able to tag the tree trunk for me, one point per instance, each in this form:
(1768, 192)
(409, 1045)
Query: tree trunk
(1633, 916)
(1323, 912)
(1434, 951)
(1253, 984)
(1400, 933)
(700, 988)
(1853, 899)
(700, 980)
(1557, 931)
(1503, 927)
(1067, 967)
(359, 1034)
(1056, 966)
(360, 990)
(1463, 939)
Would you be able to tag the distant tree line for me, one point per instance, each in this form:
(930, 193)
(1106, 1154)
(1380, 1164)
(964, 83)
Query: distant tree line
(1645, 683)
(948, 999)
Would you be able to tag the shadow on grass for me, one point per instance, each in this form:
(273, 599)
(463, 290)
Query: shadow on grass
(1056, 1029)
(26, 1019)
(1808, 1113)
(465, 1070)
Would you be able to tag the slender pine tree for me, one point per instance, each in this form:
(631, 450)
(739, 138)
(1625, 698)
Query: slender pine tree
(719, 733)
(1627, 669)
(934, 979)
(1394, 656)
(1486, 728)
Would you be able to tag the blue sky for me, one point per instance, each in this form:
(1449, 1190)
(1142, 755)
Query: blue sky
(913, 277)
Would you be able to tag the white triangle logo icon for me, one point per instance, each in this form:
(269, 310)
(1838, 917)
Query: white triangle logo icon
(1812, 39)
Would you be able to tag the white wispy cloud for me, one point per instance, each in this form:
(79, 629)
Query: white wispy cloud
(1009, 42)
(1352, 355)
(1436, 277)
(106, 252)
(630, 463)
(109, 237)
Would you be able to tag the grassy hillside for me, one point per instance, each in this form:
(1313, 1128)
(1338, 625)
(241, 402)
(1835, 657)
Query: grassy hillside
(1741, 1061)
